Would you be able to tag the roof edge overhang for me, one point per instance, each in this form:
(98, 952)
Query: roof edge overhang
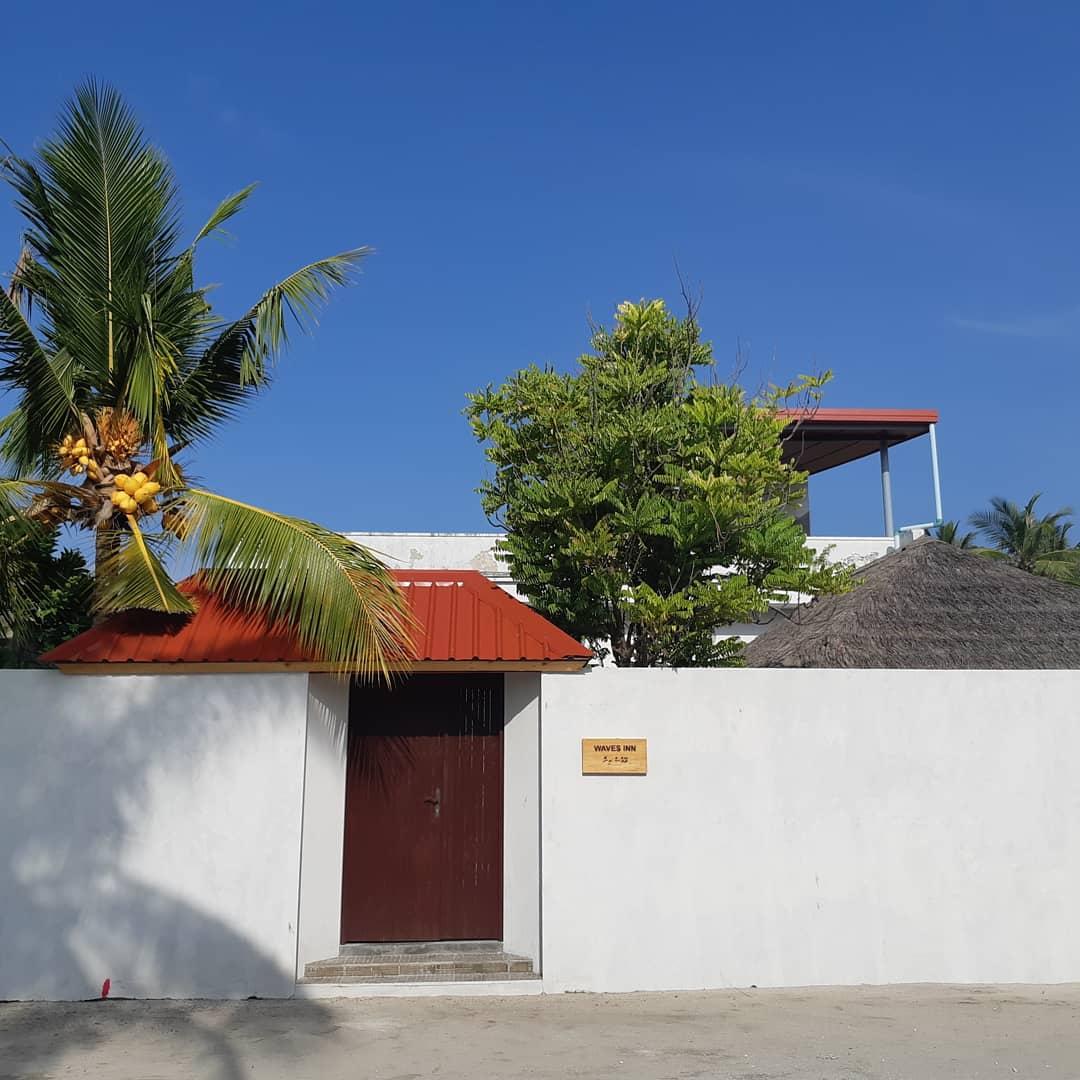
(817, 440)
(812, 416)
(432, 667)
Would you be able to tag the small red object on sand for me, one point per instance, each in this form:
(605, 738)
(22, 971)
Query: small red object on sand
(105, 989)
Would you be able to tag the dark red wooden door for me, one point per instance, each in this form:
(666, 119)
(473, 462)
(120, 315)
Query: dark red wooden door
(424, 811)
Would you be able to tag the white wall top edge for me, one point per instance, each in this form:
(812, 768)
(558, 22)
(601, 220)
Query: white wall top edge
(454, 535)
(499, 536)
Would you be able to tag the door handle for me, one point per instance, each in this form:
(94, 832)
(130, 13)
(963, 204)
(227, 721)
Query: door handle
(435, 801)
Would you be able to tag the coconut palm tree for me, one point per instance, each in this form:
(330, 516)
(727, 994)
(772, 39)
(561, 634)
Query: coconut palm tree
(119, 367)
(1039, 545)
(948, 532)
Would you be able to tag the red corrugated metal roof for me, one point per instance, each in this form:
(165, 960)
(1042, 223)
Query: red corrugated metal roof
(461, 617)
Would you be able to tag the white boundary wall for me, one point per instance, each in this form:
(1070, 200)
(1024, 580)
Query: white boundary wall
(324, 819)
(812, 827)
(796, 827)
(150, 834)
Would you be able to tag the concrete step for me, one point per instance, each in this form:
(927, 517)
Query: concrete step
(502, 965)
(381, 948)
(441, 957)
(419, 961)
(361, 980)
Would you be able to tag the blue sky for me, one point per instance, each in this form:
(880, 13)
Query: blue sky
(886, 190)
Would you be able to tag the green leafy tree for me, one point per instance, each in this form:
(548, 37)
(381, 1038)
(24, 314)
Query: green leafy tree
(948, 532)
(1037, 544)
(626, 486)
(118, 367)
(44, 597)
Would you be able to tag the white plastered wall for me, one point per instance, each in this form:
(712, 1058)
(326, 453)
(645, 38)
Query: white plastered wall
(324, 819)
(795, 827)
(812, 827)
(150, 834)
(521, 816)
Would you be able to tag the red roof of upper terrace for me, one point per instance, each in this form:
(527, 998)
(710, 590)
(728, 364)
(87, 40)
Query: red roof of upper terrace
(820, 439)
(461, 618)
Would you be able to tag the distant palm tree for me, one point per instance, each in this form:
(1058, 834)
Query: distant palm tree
(1039, 545)
(948, 532)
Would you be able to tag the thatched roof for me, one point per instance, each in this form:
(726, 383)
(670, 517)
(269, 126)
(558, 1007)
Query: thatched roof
(931, 605)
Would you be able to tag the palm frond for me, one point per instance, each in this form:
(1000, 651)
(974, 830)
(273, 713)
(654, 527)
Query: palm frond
(20, 536)
(47, 386)
(948, 532)
(103, 214)
(1024, 537)
(19, 287)
(14, 495)
(227, 209)
(132, 576)
(17, 494)
(1061, 565)
(33, 199)
(18, 596)
(236, 364)
(44, 596)
(1000, 523)
(264, 329)
(340, 601)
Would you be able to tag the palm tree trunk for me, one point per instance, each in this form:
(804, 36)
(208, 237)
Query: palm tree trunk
(106, 543)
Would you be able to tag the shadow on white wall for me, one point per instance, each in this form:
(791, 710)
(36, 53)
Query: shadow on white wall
(142, 818)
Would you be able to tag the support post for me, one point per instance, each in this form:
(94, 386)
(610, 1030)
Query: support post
(938, 516)
(886, 489)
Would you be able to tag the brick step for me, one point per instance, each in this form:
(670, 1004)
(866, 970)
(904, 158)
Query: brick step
(423, 961)
(477, 964)
(395, 956)
(359, 980)
(396, 948)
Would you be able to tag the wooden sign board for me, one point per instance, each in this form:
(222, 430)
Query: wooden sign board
(620, 757)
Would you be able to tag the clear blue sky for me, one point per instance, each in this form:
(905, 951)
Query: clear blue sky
(888, 190)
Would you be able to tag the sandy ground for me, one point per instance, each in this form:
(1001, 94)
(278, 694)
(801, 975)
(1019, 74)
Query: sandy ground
(916, 1032)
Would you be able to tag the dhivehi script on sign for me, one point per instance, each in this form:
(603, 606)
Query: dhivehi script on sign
(625, 757)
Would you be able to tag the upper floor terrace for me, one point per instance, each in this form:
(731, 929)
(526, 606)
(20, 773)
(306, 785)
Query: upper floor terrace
(817, 441)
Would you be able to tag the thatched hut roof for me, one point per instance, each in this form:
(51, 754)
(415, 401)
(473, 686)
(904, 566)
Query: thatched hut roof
(931, 605)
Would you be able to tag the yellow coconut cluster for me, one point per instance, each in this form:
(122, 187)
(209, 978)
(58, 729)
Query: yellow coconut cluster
(75, 455)
(135, 493)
